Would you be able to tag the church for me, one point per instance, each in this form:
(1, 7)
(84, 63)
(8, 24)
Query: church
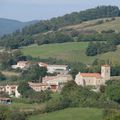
(93, 79)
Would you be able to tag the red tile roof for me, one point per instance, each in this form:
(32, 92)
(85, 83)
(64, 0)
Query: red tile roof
(97, 75)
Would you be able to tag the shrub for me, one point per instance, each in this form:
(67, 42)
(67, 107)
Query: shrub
(16, 116)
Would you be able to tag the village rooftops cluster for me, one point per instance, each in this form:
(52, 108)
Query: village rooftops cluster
(50, 68)
(55, 83)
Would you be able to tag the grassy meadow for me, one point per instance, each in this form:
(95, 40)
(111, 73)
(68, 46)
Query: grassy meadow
(71, 114)
(71, 52)
(91, 25)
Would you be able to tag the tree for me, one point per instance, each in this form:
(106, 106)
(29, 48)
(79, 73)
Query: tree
(112, 90)
(39, 97)
(4, 111)
(16, 115)
(2, 77)
(91, 50)
(24, 89)
(34, 73)
(5, 59)
(77, 95)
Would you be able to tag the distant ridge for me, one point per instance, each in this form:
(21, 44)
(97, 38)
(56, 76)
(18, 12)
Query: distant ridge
(9, 25)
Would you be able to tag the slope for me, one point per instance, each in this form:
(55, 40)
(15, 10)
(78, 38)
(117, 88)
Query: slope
(71, 52)
(107, 24)
(71, 114)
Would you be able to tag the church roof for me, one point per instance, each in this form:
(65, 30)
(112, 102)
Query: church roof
(97, 75)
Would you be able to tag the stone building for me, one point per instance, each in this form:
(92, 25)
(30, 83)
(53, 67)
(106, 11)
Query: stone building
(94, 79)
(10, 90)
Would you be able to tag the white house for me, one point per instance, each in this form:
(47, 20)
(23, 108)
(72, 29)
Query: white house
(57, 68)
(10, 90)
(41, 64)
(21, 65)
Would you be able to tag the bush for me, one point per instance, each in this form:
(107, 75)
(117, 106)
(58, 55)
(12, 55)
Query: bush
(4, 111)
(56, 104)
(2, 77)
(99, 22)
(16, 116)
(111, 114)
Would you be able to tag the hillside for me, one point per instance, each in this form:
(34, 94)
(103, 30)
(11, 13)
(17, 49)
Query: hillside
(9, 25)
(108, 24)
(28, 34)
(70, 114)
(71, 52)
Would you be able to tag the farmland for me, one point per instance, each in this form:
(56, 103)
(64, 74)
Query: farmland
(71, 114)
(71, 52)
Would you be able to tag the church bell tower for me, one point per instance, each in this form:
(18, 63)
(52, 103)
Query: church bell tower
(105, 72)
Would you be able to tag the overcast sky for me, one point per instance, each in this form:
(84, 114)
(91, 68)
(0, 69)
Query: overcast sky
(26, 10)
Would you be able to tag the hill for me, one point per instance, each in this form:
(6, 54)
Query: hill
(105, 25)
(71, 52)
(71, 114)
(28, 34)
(8, 25)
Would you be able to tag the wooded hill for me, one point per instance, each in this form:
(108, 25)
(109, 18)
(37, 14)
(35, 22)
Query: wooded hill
(31, 34)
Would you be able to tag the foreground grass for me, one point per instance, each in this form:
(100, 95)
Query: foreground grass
(71, 114)
(71, 52)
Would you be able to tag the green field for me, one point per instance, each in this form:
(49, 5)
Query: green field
(74, 51)
(71, 52)
(71, 114)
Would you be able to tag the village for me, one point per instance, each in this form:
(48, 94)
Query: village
(56, 83)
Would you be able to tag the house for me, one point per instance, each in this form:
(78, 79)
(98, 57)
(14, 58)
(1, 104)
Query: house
(57, 68)
(54, 68)
(21, 65)
(60, 78)
(94, 79)
(41, 64)
(10, 90)
(38, 87)
(5, 101)
(50, 68)
(52, 83)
